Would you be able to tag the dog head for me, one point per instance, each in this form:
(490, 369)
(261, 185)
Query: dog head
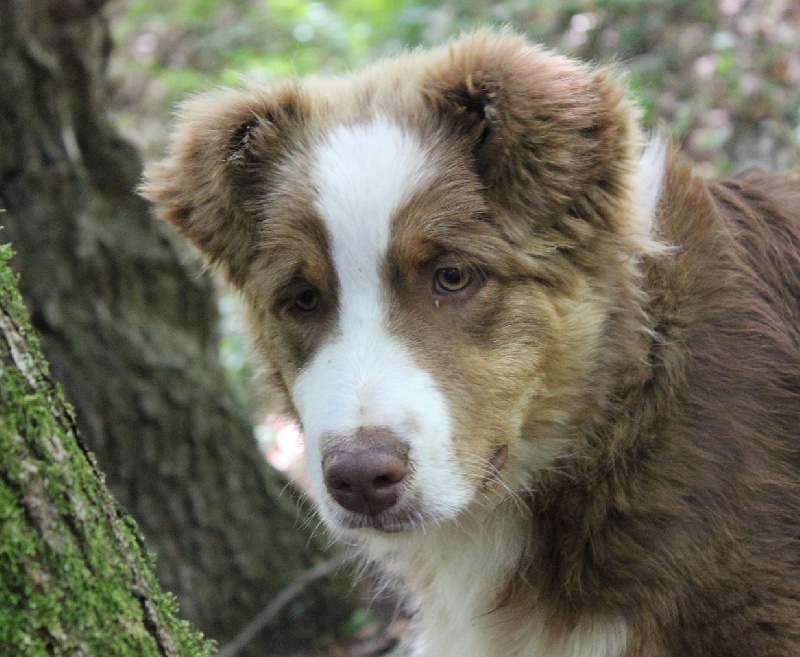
(435, 253)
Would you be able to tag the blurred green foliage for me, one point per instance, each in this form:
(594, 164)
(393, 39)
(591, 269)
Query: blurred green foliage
(723, 75)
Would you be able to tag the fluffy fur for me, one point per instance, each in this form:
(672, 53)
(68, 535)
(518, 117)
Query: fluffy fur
(577, 364)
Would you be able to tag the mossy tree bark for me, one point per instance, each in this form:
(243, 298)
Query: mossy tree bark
(74, 576)
(128, 324)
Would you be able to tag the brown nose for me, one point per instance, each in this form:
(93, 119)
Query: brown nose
(367, 475)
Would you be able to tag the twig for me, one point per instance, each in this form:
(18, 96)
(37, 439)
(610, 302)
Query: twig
(289, 593)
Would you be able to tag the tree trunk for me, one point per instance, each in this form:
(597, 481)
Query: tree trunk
(129, 327)
(74, 576)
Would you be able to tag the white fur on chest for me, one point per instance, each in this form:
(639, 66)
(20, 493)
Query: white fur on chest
(485, 636)
(454, 573)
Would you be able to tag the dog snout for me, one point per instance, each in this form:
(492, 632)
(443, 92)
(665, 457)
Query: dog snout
(366, 476)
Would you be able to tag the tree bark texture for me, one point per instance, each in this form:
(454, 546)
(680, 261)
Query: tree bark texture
(128, 324)
(74, 576)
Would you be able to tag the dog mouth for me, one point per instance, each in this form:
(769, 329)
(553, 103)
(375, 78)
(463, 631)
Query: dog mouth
(388, 522)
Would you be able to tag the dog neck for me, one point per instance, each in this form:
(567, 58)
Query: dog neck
(455, 574)
(458, 577)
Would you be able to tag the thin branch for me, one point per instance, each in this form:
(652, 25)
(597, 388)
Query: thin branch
(289, 593)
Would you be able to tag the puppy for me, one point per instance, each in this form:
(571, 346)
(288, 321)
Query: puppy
(546, 374)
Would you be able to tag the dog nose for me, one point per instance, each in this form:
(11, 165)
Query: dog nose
(367, 475)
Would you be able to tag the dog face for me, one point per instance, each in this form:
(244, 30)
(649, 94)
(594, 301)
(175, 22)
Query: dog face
(434, 253)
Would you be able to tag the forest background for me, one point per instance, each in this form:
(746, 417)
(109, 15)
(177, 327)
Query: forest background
(163, 396)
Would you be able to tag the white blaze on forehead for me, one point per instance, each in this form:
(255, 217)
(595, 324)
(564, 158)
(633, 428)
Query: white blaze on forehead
(363, 174)
(366, 377)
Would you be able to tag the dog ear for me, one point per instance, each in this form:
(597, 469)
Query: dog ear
(220, 159)
(544, 131)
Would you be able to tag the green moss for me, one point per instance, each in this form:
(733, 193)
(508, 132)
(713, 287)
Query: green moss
(74, 577)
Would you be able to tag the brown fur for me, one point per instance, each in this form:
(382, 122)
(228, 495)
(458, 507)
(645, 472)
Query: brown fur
(649, 395)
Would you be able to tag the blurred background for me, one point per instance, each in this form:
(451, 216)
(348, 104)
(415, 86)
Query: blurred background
(152, 351)
(722, 75)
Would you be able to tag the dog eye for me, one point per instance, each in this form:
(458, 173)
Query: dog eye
(304, 300)
(449, 280)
